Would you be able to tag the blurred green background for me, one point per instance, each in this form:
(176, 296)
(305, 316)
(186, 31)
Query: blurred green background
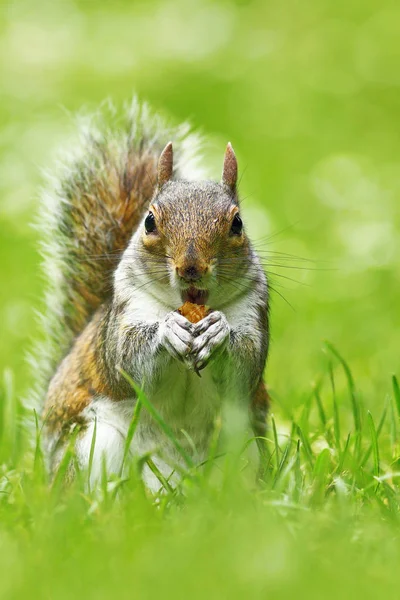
(307, 92)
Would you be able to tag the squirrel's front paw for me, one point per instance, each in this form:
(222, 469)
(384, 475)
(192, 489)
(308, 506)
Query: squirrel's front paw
(176, 335)
(211, 337)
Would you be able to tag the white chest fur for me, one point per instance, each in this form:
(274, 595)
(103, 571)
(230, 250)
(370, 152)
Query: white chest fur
(188, 402)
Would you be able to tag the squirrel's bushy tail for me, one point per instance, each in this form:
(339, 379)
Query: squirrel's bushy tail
(89, 212)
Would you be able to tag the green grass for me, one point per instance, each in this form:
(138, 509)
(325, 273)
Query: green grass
(307, 92)
(323, 522)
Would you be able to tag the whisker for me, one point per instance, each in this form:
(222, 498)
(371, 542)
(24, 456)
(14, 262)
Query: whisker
(267, 264)
(276, 234)
(237, 285)
(273, 289)
(153, 280)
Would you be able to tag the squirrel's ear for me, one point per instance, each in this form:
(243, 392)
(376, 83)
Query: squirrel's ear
(165, 165)
(230, 170)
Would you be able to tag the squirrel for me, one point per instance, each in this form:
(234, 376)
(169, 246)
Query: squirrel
(132, 234)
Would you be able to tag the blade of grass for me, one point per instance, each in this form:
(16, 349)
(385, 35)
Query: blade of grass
(104, 482)
(65, 463)
(159, 420)
(131, 432)
(265, 459)
(322, 415)
(156, 471)
(353, 396)
(378, 431)
(91, 453)
(374, 440)
(321, 411)
(306, 446)
(336, 418)
(305, 415)
(297, 474)
(285, 457)
(320, 473)
(396, 393)
(191, 444)
(344, 454)
(277, 448)
(393, 426)
(391, 497)
(286, 478)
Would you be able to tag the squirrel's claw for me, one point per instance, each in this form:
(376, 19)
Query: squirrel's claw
(212, 337)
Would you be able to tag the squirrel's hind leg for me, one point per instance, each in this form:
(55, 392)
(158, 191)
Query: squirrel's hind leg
(107, 445)
(101, 444)
(102, 440)
(98, 443)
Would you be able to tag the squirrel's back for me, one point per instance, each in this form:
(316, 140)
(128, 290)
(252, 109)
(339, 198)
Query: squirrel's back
(89, 212)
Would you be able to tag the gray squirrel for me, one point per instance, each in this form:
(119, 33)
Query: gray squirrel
(132, 233)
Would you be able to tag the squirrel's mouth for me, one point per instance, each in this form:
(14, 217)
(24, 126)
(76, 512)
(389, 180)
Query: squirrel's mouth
(194, 295)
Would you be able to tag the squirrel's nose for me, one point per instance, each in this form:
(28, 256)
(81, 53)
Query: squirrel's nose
(190, 273)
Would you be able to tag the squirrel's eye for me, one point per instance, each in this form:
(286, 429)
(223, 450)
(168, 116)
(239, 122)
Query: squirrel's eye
(150, 223)
(237, 225)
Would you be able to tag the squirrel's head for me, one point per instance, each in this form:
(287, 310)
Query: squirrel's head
(192, 237)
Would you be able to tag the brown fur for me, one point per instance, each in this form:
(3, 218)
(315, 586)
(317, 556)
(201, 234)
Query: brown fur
(258, 418)
(259, 409)
(78, 379)
(102, 214)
